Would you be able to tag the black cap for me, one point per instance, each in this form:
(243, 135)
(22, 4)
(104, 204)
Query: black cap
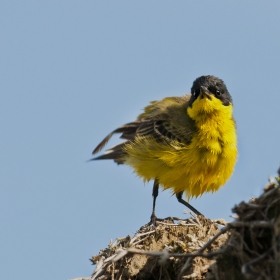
(215, 85)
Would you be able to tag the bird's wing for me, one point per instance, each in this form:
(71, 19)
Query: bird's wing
(165, 120)
(128, 130)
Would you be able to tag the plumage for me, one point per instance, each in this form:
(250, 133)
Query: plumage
(185, 143)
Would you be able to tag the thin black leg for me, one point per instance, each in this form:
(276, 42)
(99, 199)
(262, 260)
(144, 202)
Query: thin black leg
(181, 200)
(155, 194)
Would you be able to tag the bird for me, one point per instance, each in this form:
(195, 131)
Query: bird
(184, 143)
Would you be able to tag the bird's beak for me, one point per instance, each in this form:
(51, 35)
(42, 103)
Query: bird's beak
(204, 92)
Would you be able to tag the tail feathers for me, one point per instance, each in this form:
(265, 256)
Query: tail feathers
(128, 132)
(116, 153)
(102, 143)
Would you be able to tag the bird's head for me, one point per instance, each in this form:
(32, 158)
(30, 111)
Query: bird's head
(209, 94)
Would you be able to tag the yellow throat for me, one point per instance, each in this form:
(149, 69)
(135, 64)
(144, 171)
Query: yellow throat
(213, 150)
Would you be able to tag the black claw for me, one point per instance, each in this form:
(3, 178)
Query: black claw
(154, 220)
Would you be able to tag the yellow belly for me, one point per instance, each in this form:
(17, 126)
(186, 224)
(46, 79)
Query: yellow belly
(203, 166)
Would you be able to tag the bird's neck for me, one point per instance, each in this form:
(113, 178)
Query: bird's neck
(215, 129)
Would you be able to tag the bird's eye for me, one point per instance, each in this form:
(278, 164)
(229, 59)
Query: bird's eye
(212, 89)
(218, 92)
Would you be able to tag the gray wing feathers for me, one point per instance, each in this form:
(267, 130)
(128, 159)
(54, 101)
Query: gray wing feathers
(157, 121)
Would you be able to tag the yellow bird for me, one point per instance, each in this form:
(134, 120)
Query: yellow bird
(187, 144)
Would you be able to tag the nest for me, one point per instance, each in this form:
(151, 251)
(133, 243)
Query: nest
(199, 248)
(253, 249)
(159, 252)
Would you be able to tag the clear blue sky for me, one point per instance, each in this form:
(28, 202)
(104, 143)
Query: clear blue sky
(72, 71)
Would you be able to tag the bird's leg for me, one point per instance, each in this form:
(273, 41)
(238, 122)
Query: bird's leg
(155, 194)
(181, 200)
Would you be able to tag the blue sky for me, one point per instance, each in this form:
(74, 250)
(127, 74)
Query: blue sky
(72, 71)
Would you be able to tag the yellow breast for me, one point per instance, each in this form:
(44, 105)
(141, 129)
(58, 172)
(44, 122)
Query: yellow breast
(202, 166)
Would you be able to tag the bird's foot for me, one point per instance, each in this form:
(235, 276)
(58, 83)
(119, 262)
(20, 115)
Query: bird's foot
(154, 220)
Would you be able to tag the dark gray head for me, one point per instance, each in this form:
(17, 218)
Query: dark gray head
(214, 85)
